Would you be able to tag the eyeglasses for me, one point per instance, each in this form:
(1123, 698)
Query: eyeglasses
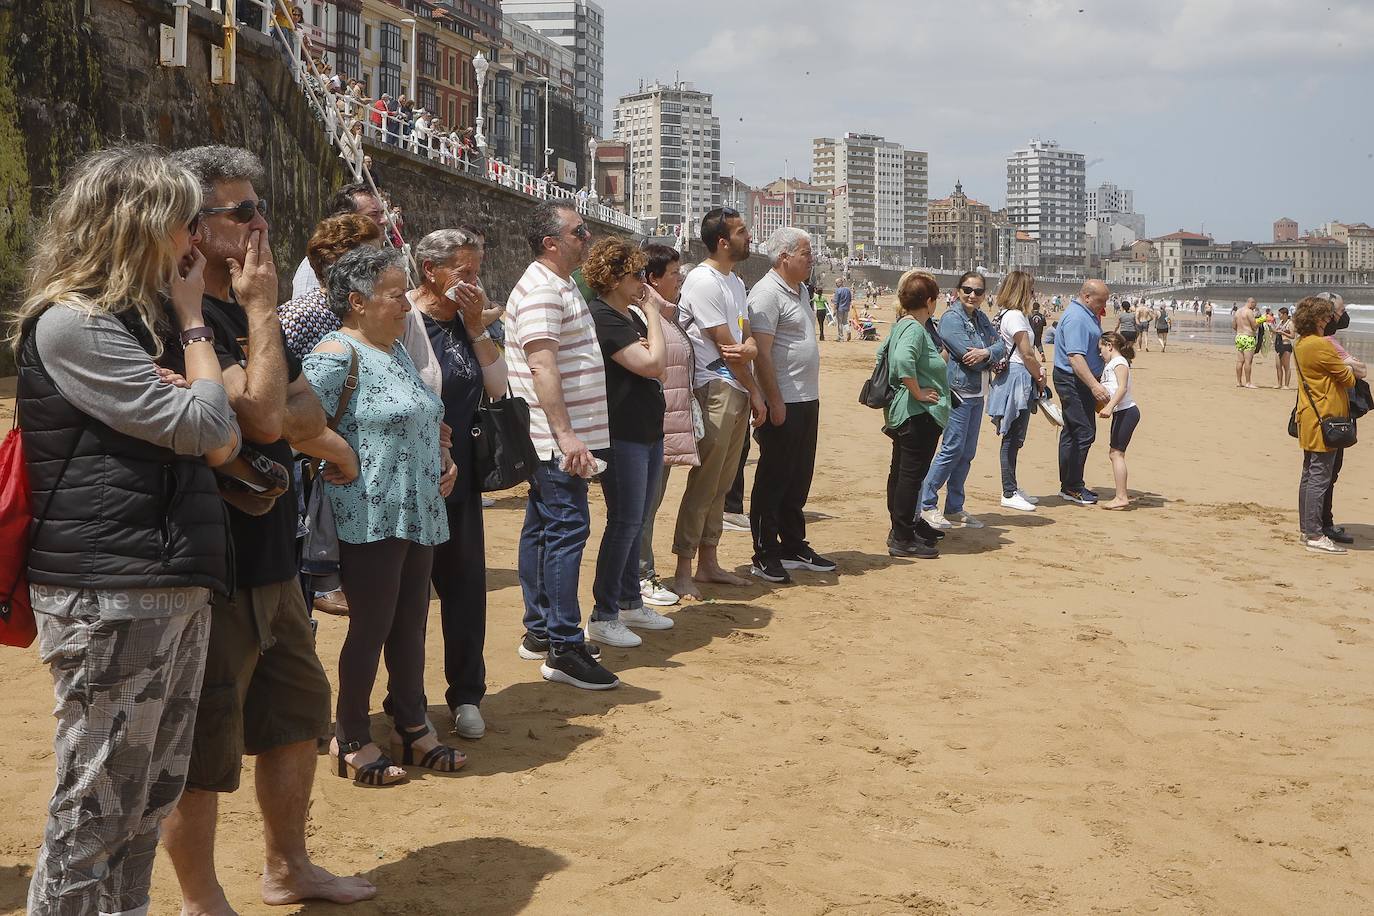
(641, 276)
(972, 290)
(240, 212)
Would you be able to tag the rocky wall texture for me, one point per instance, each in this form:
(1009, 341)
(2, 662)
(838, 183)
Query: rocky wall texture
(76, 75)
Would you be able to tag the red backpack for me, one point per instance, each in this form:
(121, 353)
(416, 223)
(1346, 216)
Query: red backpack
(17, 627)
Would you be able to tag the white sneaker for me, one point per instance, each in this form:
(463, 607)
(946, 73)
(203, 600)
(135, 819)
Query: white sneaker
(613, 633)
(969, 521)
(654, 592)
(1324, 544)
(488, 502)
(645, 619)
(735, 521)
(936, 520)
(1033, 500)
(467, 722)
(1017, 501)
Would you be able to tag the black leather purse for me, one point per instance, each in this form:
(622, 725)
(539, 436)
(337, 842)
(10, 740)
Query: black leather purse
(503, 455)
(1337, 432)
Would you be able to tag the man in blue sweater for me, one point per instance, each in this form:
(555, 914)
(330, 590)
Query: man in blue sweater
(843, 298)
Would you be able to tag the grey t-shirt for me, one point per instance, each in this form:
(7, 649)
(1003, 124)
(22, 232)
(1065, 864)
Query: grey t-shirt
(775, 308)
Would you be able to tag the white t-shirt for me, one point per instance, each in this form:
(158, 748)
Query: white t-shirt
(1013, 323)
(1108, 381)
(711, 299)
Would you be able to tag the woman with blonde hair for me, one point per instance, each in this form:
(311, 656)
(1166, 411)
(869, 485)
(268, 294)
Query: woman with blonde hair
(129, 537)
(1014, 383)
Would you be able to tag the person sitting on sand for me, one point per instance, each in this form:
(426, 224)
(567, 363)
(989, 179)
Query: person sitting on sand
(1243, 323)
(1120, 408)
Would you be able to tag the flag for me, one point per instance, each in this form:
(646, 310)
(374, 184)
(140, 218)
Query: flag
(859, 247)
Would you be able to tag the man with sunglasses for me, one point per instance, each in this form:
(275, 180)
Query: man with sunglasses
(264, 691)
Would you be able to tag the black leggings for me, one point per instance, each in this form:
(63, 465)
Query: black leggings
(460, 579)
(387, 586)
(913, 448)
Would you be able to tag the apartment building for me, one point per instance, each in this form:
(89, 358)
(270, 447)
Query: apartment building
(879, 193)
(673, 138)
(1046, 197)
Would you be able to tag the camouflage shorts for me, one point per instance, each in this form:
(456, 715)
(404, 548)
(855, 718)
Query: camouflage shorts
(127, 687)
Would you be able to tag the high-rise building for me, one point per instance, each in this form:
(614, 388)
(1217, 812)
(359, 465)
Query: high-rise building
(1046, 198)
(580, 26)
(674, 141)
(516, 97)
(878, 193)
(1285, 230)
(1112, 222)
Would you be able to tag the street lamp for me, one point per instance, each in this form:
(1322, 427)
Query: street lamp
(548, 151)
(593, 197)
(480, 65)
(414, 52)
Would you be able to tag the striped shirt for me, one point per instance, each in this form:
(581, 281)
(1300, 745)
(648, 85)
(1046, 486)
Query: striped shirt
(544, 306)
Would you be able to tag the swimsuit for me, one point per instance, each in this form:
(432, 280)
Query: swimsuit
(1245, 343)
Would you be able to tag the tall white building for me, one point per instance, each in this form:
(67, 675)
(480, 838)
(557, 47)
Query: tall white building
(579, 25)
(1047, 199)
(674, 144)
(879, 192)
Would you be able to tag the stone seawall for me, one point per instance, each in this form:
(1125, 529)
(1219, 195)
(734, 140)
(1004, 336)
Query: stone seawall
(77, 75)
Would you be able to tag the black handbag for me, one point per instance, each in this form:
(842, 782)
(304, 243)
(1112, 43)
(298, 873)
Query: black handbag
(503, 455)
(1361, 399)
(878, 391)
(1337, 432)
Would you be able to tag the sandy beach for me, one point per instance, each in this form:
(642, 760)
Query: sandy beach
(1167, 710)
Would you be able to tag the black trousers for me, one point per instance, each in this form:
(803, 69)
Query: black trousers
(460, 579)
(782, 481)
(913, 448)
(1080, 428)
(734, 498)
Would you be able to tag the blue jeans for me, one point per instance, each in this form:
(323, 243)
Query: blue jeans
(551, 543)
(956, 453)
(628, 483)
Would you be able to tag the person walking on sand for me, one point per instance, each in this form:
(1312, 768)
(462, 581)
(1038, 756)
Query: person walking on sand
(1162, 324)
(1243, 324)
(715, 313)
(1077, 367)
(1143, 316)
(1121, 409)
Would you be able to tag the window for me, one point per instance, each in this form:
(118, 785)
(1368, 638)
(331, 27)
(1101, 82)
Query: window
(367, 34)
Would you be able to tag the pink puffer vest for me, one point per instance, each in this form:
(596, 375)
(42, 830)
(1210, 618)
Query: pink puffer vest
(679, 440)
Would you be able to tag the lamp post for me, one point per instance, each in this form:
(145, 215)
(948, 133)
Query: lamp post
(480, 65)
(548, 151)
(734, 187)
(414, 52)
(593, 197)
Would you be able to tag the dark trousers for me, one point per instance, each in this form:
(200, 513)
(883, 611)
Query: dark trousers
(913, 448)
(782, 481)
(1328, 520)
(460, 579)
(1080, 428)
(1012, 441)
(734, 499)
(387, 587)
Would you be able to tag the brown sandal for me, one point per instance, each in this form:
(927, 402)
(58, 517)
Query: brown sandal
(440, 759)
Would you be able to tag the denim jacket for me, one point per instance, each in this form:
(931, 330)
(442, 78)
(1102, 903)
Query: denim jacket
(959, 337)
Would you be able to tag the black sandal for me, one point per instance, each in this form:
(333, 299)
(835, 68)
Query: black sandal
(369, 774)
(440, 759)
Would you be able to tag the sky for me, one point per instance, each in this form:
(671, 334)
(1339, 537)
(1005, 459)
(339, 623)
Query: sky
(1221, 115)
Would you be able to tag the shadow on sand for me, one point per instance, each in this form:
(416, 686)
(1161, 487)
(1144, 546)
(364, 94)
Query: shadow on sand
(14, 887)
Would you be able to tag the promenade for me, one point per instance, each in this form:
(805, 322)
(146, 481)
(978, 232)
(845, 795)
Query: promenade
(1167, 710)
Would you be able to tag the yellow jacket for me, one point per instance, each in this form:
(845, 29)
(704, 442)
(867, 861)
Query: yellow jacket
(1329, 380)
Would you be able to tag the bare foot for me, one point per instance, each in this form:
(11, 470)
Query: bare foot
(219, 907)
(1117, 504)
(686, 588)
(1251, 386)
(314, 883)
(719, 576)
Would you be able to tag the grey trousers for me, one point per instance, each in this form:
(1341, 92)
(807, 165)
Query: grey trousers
(127, 691)
(1317, 468)
(646, 537)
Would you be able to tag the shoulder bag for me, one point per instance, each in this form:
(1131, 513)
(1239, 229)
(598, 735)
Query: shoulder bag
(1337, 432)
(503, 455)
(877, 390)
(320, 548)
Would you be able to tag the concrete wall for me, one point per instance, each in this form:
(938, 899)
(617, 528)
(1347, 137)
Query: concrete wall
(76, 75)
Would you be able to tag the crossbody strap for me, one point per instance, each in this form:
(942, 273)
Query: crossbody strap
(350, 386)
(1303, 383)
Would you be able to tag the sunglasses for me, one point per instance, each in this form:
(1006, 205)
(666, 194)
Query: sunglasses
(581, 231)
(240, 212)
(972, 290)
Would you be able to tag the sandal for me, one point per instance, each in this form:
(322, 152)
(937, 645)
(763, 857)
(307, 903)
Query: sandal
(440, 759)
(369, 774)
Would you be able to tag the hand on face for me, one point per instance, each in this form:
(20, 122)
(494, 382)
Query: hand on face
(254, 280)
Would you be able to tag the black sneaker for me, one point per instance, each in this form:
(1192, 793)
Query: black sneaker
(928, 532)
(533, 649)
(771, 570)
(806, 558)
(911, 549)
(573, 664)
(1337, 534)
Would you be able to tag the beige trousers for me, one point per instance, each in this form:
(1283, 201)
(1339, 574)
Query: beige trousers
(726, 412)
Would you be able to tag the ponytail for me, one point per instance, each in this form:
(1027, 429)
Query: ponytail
(1119, 344)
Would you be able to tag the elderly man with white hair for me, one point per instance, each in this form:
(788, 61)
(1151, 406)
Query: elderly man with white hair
(787, 367)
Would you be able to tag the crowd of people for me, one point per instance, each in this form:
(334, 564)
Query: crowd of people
(175, 613)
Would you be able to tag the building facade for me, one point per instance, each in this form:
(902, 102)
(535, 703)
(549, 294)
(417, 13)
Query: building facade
(580, 27)
(1285, 230)
(613, 174)
(959, 230)
(1135, 264)
(787, 202)
(1315, 260)
(1358, 239)
(879, 194)
(1046, 197)
(529, 75)
(674, 144)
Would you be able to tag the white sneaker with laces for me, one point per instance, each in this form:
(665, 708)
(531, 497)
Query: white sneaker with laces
(613, 633)
(644, 618)
(1033, 500)
(653, 591)
(1324, 544)
(467, 722)
(970, 521)
(735, 521)
(936, 520)
(1017, 501)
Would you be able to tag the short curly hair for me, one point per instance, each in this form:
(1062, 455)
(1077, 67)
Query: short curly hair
(334, 237)
(610, 261)
(1312, 316)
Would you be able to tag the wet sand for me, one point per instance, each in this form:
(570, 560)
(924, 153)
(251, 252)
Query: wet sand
(1167, 710)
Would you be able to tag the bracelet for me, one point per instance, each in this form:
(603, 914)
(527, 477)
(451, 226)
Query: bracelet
(191, 335)
(485, 335)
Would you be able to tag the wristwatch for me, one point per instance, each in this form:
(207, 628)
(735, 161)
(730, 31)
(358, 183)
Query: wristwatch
(191, 335)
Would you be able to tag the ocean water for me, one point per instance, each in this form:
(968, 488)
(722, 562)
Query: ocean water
(1358, 339)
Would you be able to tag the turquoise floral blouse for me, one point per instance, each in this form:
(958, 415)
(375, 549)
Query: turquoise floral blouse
(392, 423)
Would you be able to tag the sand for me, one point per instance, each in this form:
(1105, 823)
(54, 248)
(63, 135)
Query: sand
(1167, 710)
